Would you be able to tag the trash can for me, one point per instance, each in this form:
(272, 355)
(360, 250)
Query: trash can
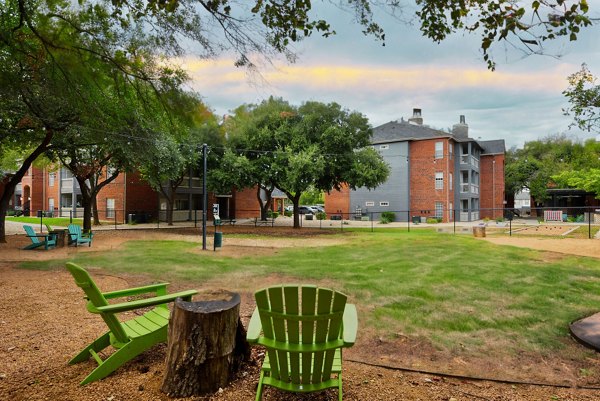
(479, 231)
(416, 219)
(308, 217)
(218, 241)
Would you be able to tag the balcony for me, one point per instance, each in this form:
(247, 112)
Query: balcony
(466, 188)
(469, 160)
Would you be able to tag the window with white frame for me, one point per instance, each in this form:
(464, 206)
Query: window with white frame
(51, 204)
(439, 180)
(439, 150)
(450, 211)
(450, 146)
(367, 204)
(450, 181)
(384, 203)
(439, 210)
(51, 178)
(110, 208)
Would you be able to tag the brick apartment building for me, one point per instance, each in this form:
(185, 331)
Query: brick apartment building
(432, 174)
(127, 197)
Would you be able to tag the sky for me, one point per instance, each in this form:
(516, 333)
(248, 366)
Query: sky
(520, 101)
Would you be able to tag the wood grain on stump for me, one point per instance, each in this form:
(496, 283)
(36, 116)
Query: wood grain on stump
(206, 344)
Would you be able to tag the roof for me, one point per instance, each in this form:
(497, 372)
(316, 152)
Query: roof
(403, 130)
(493, 147)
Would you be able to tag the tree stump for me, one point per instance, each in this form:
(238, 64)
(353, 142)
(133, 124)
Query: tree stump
(206, 344)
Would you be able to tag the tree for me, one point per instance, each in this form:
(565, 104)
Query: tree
(271, 26)
(56, 62)
(177, 151)
(314, 146)
(549, 161)
(584, 95)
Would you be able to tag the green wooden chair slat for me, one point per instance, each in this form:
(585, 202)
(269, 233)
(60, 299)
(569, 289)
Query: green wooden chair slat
(39, 240)
(304, 330)
(129, 338)
(77, 236)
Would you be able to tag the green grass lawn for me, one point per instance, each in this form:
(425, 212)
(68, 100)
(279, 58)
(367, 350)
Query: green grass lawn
(52, 221)
(455, 291)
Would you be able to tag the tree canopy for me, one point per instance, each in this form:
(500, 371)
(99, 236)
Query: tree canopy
(297, 149)
(552, 161)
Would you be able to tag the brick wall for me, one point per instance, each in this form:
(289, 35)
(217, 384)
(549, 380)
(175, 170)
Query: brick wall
(491, 186)
(338, 201)
(423, 167)
(246, 204)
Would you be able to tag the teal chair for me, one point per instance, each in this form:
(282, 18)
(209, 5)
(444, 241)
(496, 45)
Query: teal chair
(77, 236)
(38, 240)
(132, 337)
(303, 329)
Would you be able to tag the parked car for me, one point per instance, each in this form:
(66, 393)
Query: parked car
(318, 208)
(306, 210)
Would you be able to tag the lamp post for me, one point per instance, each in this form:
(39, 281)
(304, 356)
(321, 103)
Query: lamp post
(204, 196)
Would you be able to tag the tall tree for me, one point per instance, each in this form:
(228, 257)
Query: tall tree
(583, 94)
(315, 145)
(177, 152)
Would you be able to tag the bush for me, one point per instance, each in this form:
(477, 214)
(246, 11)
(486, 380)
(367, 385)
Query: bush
(432, 220)
(10, 212)
(321, 216)
(387, 217)
(272, 215)
(288, 213)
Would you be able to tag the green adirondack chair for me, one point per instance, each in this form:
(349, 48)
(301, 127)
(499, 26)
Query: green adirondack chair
(129, 338)
(48, 227)
(78, 237)
(39, 240)
(304, 329)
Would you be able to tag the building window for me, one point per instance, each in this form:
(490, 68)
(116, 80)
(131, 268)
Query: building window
(450, 146)
(439, 180)
(51, 204)
(66, 200)
(367, 204)
(110, 208)
(51, 178)
(384, 203)
(182, 204)
(439, 150)
(439, 210)
(450, 181)
(384, 147)
(110, 171)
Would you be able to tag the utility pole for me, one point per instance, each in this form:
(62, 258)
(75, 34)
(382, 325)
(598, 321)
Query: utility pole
(204, 196)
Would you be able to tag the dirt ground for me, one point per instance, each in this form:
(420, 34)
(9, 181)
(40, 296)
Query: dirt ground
(43, 322)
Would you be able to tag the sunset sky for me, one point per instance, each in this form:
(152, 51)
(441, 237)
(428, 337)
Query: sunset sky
(522, 100)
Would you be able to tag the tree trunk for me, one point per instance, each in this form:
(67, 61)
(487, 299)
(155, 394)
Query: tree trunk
(11, 184)
(207, 345)
(95, 211)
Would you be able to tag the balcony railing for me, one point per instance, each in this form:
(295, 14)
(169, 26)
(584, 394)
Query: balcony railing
(468, 159)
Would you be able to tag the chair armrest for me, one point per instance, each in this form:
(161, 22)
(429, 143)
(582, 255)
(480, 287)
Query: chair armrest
(158, 288)
(350, 321)
(143, 303)
(254, 328)
(45, 236)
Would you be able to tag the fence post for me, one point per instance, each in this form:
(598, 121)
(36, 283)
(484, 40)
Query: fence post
(70, 216)
(453, 220)
(342, 222)
(590, 223)
(115, 219)
(408, 220)
(371, 218)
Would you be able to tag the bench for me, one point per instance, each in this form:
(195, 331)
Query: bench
(267, 222)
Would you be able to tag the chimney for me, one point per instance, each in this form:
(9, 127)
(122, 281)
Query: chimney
(416, 117)
(461, 130)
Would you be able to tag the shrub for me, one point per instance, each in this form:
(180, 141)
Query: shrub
(499, 219)
(288, 213)
(387, 217)
(432, 220)
(272, 215)
(10, 212)
(321, 216)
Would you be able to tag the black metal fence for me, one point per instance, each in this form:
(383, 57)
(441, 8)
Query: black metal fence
(455, 220)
